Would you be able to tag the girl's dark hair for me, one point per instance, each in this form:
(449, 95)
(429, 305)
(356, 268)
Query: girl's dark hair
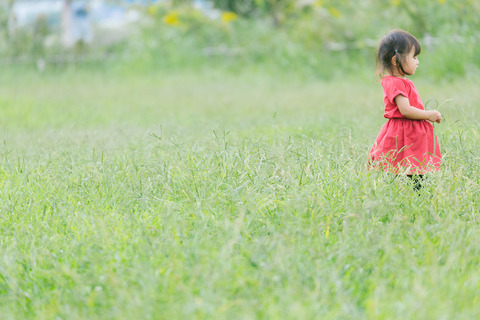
(397, 43)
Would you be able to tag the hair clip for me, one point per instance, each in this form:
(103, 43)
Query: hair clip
(396, 50)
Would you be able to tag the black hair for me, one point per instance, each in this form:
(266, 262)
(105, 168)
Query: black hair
(397, 43)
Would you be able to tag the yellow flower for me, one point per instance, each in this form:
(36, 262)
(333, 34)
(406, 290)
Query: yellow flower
(441, 1)
(228, 16)
(172, 19)
(334, 12)
(396, 3)
(318, 3)
(327, 232)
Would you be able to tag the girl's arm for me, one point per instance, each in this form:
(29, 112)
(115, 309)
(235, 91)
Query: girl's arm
(413, 113)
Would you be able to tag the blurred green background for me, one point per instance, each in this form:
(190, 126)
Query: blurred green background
(320, 38)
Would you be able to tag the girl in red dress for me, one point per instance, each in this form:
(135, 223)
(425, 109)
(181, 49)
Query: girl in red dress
(406, 144)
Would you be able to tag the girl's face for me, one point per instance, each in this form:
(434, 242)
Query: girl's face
(411, 63)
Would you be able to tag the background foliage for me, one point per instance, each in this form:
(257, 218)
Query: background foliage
(322, 37)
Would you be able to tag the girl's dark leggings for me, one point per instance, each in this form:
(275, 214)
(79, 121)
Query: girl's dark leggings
(417, 180)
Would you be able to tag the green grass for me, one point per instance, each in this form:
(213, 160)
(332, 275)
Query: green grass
(216, 196)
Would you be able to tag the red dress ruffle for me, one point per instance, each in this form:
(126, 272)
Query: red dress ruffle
(404, 145)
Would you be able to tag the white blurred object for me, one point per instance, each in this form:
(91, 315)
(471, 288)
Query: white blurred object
(81, 23)
(26, 12)
(107, 15)
(76, 23)
(206, 7)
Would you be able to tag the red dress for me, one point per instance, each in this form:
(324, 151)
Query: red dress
(404, 145)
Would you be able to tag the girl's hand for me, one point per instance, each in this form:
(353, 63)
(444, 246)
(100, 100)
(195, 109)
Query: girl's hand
(434, 116)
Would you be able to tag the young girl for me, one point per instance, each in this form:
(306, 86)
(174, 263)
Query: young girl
(406, 143)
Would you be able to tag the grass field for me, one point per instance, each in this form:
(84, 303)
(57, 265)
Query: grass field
(213, 195)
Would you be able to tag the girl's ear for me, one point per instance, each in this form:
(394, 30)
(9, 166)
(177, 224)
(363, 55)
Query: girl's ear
(394, 60)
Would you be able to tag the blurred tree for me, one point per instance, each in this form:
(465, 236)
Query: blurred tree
(40, 31)
(276, 9)
(244, 8)
(181, 2)
(5, 10)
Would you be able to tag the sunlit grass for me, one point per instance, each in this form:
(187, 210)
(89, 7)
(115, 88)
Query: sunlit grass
(228, 196)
